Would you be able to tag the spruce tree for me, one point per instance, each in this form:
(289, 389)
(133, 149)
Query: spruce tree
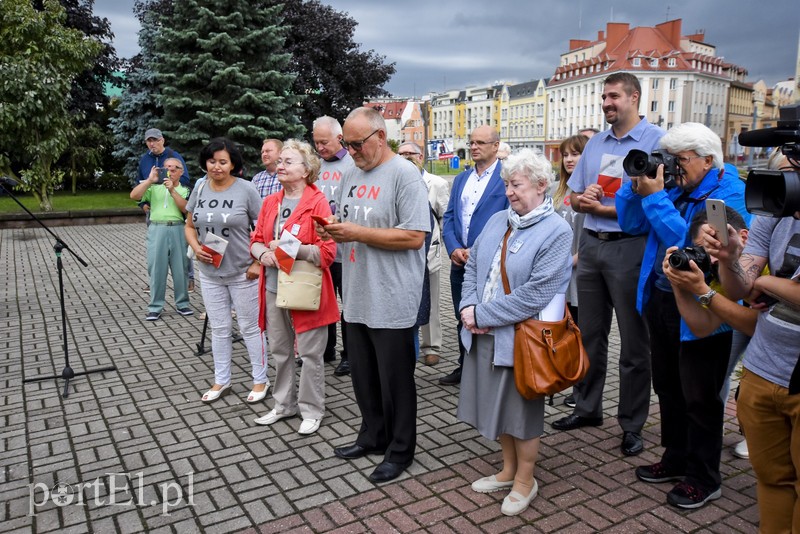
(223, 72)
(139, 106)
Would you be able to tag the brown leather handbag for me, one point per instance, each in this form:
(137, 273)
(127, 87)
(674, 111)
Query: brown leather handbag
(548, 355)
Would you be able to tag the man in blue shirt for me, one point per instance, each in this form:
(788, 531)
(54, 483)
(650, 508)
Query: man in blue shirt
(608, 267)
(267, 180)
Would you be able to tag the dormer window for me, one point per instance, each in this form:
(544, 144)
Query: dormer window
(654, 62)
(636, 62)
(672, 62)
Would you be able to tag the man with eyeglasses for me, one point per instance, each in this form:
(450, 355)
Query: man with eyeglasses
(476, 195)
(383, 208)
(166, 242)
(438, 194)
(266, 181)
(609, 265)
(335, 162)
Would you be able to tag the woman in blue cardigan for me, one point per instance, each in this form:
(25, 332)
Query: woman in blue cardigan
(538, 263)
(688, 372)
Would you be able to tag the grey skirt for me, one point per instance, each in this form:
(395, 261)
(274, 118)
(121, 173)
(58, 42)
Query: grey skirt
(489, 400)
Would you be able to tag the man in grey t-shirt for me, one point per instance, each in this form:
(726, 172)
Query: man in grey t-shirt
(383, 208)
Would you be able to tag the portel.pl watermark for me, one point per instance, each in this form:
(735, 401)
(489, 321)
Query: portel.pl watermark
(113, 489)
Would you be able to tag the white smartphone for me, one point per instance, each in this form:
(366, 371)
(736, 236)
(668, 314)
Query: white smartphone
(717, 219)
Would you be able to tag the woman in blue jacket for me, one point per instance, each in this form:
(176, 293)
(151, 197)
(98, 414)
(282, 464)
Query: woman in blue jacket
(688, 372)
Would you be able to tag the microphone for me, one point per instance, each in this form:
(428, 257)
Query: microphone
(768, 137)
(10, 182)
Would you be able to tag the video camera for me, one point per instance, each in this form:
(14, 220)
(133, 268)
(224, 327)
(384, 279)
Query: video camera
(775, 193)
(640, 163)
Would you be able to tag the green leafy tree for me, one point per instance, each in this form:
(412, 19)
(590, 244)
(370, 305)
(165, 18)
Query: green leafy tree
(223, 72)
(39, 59)
(334, 74)
(88, 103)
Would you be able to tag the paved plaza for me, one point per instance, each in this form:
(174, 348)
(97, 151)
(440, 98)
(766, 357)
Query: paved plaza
(134, 450)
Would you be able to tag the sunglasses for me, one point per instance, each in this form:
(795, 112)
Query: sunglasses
(357, 145)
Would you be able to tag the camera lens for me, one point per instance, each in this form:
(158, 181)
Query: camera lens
(679, 260)
(636, 163)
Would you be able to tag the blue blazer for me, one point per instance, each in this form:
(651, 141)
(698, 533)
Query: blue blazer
(493, 200)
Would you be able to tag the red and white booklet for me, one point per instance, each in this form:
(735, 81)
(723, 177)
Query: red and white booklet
(215, 245)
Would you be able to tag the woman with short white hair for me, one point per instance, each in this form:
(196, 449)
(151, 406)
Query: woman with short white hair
(688, 370)
(535, 243)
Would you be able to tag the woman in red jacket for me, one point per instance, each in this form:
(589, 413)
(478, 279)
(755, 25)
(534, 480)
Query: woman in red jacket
(290, 210)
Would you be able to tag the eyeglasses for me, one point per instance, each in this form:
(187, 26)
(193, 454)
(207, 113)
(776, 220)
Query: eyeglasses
(406, 154)
(480, 143)
(358, 145)
(685, 160)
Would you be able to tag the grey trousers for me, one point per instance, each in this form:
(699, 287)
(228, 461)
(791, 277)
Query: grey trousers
(608, 273)
(309, 398)
(432, 332)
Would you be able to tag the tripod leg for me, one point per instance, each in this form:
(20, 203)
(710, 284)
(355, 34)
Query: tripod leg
(201, 347)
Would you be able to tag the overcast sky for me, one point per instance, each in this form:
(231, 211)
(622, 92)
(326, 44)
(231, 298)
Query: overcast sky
(438, 45)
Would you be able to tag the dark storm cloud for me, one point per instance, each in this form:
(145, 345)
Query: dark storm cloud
(450, 45)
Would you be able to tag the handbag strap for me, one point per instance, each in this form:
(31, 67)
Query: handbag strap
(503, 275)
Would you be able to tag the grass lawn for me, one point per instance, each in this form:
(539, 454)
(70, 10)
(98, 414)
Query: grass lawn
(65, 201)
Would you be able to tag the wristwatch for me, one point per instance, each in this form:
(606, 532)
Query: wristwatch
(705, 299)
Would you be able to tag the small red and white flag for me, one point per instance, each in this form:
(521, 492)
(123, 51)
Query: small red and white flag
(286, 253)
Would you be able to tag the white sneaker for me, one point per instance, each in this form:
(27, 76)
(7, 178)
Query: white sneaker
(273, 417)
(741, 451)
(309, 426)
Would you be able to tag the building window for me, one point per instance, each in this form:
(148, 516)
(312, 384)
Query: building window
(671, 106)
(654, 62)
(654, 105)
(671, 62)
(636, 62)
(655, 83)
(673, 83)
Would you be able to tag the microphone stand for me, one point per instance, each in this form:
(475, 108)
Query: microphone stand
(68, 373)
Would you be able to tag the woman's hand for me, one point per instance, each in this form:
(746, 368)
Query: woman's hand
(254, 271)
(468, 318)
(202, 256)
(268, 259)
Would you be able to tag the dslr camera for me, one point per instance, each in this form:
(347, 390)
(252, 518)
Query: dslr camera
(775, 193)
(640, 163)
(680, 259)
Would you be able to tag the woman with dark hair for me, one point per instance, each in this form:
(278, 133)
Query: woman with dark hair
(571, 149)
(227, 207)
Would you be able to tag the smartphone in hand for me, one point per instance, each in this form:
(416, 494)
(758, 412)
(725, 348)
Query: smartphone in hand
(321, 220)
(717, 219)
(163, 174)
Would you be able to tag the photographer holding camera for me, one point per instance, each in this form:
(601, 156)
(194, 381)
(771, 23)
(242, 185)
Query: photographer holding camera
(768, 405)
(166, 243)
(688, 371)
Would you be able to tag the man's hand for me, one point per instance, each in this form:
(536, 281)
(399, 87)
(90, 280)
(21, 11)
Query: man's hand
(342, 232)
(460, 256)
(692, 281)
(589, 200)
(727, 255)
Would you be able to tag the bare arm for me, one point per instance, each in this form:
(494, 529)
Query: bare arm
(385, 238)
(784, 289)
(142, 187)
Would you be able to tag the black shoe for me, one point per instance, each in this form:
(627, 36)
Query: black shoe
(569, 400)
(658, 473)
(571, 422)
(387, 471)
(153, 316)
(351, 452)
(329, 357)
(453, 379)
(631, 444)
(343, 369)
(688, 496)
(185, 311)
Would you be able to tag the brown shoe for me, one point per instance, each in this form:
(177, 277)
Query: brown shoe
(430, 359)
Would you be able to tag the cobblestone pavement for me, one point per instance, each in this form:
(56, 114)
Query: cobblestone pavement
(140, 437)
